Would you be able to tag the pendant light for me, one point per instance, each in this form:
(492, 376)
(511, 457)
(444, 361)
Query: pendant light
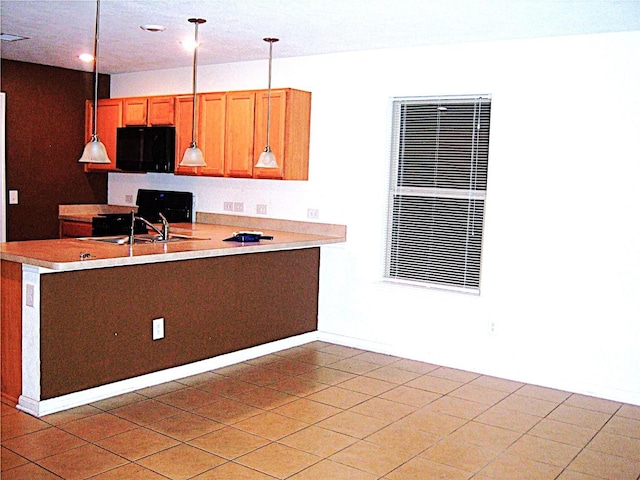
(94, 151)
(267, 158)
(193, 155)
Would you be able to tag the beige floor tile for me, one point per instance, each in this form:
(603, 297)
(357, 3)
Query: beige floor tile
(328, 376)
(415, 366)
(457, 407)
(410, 396)
(185, 426)
(501, 384)
(389, 373)
(378, 358)
(339, 397)
(572, 475)
(318, 441)
(130, 471)
(278, 460)
(623, 426)
(317, 358)
(593, 403)
(271, 425)
(187, 398)
(543, 450)
(544, 393)
(226, 386)
(434, 384)
(485, 435)
(232, 471)
(563, 432)
(161, 389)
(326, 470)
(81, 462)
(382, 409)
(478, 394)
(342, 350)
(353, 424)
(433, 422)
(146, 412)
(509, 467)
(629, 411)
(97, 427)
(579, 416)
(8, 459)
(264, 376)
(354, 365)
(227, 411)
(402, 437)
(71, 415)
(528, 405)
(137, 443)
(499, 416)
(307, 411)
(371, 457)
(454, 374)
(229, 442)
(28, 471)
(118, 401)
(422, 469)
(298, 386)
(265, 398)
(199, 379)
(464, 456)
(181, 462)
(43, 443)
(616, 445)
(20, 424)
(607, 466)
(367, 385)
(288, 368)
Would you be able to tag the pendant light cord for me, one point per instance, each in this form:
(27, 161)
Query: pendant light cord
(95, 71)
(270, 40)
(195, 73)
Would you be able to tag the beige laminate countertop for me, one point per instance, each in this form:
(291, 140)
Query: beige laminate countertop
(211, 229)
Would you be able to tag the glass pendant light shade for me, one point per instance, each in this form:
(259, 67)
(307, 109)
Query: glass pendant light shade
(94, 152)
(193, 155)
(267, 158)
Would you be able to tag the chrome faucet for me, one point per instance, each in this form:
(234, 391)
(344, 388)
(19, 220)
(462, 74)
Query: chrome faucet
(163, 234)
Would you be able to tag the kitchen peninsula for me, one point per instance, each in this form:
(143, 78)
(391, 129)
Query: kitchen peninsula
(77, 314)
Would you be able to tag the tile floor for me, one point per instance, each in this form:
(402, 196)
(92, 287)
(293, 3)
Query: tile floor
(323, 411)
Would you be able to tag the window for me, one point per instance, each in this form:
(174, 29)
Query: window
(440, 150)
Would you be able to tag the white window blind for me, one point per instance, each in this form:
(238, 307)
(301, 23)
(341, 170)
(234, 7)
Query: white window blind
(440, 150)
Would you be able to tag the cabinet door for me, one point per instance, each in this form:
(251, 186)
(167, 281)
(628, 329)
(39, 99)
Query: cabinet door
(289, 139)
(239, 158)
(109, 119)
(161, 111)
(184, 121)
(211, 132)
(134, 112)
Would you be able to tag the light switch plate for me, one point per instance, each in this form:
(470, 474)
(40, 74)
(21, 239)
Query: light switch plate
(158, 328)
(13, 197)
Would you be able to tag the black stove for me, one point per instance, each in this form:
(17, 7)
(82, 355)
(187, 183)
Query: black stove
(177, 207)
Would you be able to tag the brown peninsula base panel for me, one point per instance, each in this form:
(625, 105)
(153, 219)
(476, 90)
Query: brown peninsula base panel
(96, 325)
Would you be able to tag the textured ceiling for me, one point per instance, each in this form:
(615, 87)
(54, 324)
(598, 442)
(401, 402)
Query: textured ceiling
(59, 31)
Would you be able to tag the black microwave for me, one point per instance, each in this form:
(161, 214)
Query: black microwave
(146, 149)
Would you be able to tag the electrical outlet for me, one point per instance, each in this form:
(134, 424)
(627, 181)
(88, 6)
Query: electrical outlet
(238, 207)
(261, 209)
(30, 294)
(228, 206)
(313, 213)
(13, 197)
(157, 329)
(128, 199)
(492, 328)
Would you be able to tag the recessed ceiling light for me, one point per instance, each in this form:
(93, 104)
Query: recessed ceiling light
(86, 57)
(7, 37)
(153, 28)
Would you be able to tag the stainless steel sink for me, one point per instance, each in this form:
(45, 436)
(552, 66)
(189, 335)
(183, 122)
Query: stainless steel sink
(144, 238)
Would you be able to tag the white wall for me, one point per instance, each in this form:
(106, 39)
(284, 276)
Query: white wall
(561, 256)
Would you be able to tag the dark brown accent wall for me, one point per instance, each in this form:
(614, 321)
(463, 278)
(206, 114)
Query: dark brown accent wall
(96, 324)
(44, 138)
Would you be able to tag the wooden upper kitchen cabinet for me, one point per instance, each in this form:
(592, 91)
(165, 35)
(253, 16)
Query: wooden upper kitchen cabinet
(212, 110)
(289, 137)
(239, 127)
(109, 119)
(149, 111)
(184, 127)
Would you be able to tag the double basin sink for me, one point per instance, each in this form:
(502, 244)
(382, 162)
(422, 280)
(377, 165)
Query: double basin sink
(144, 238)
